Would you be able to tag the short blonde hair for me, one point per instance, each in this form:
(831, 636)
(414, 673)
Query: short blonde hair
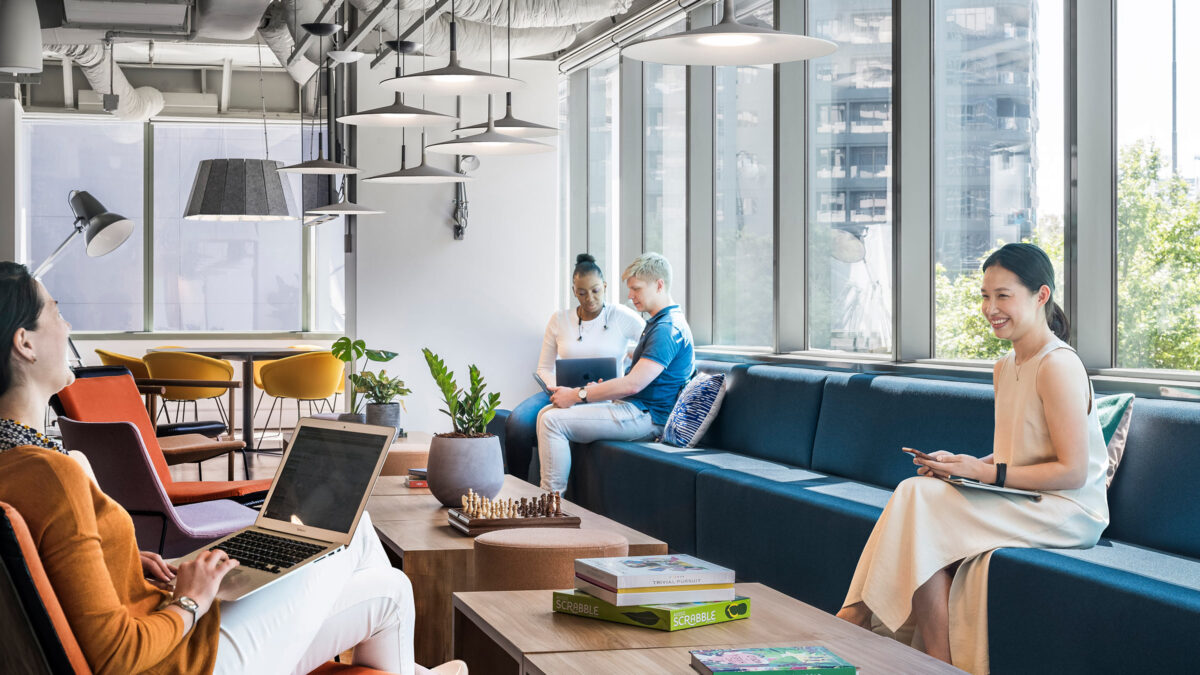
(649, 267)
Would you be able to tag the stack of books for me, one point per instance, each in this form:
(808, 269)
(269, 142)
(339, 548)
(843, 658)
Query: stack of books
(770, 660)
(653, 580)
(416, 479)
(668, 617)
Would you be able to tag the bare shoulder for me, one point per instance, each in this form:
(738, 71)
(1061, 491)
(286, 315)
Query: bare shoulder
(1061, 371)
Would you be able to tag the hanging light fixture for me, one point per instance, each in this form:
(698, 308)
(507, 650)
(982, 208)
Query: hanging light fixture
(20, 38)
(241, 189)
(509, 124)
(398, 114)
(421, 174)
(320, 165)
(729, 43)
(453, 79)
(342, 207)
(490, 141)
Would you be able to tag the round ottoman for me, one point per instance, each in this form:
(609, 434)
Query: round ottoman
(407, 453)
(539, 557)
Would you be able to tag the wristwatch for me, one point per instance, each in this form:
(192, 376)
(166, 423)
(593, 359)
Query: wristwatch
(583, 394)
(188, 604)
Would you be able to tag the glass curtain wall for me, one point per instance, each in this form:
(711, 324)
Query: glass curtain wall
(220, 276)
(998, 167)
(849, 177)
(743, 186)
(603, 231)
(104, 158)
(1158, 185)
(664, 165)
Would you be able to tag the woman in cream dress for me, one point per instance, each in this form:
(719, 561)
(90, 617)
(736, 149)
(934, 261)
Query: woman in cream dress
(923, 573)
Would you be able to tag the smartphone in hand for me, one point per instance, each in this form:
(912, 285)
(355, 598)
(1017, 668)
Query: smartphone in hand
(542, 384)
(918, 454)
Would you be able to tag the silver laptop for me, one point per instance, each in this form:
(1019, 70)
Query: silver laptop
(314, 505)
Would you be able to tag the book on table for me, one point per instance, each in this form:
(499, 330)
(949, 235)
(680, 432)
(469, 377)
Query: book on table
(770, 660)
(668, 617)
(653, 579)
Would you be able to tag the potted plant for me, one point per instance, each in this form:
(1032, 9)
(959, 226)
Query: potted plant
(381, 392)
(467, 457)
(350, 351)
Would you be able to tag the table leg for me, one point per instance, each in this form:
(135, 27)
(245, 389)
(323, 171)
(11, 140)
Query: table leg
(232, 415)
(248, 403)
(478, 650)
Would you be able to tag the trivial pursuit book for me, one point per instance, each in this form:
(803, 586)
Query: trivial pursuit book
(646, 571)
(669, 617)
(770, 660)
(652, 595)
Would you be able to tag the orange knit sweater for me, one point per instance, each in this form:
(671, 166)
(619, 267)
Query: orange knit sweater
(89, 549)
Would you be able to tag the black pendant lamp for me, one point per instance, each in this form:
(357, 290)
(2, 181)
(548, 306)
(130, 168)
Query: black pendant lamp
(320, 165)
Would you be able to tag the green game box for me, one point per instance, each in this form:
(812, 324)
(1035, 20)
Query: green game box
(659, 617)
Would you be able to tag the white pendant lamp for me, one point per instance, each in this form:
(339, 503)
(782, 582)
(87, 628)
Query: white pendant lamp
(421, 174)
(320, 165)
(342, 207)
(509, 124)
(398, 114)
(20, 37)
(453, 79)
(490, 142)
(729, 43)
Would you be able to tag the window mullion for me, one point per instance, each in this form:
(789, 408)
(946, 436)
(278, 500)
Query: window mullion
(791, 188)
(700, 194)
(148, 227)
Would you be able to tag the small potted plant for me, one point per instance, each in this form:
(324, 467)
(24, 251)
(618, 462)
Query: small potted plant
(381, 392)
(350, 351)
(467, 457)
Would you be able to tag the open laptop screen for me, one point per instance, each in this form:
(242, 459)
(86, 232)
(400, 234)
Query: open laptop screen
(324, 478)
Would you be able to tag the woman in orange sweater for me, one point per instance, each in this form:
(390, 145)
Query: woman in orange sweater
(116, 598)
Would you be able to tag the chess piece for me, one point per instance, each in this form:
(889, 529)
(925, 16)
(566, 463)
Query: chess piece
(557, 503)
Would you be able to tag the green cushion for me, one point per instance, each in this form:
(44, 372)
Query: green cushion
(1114, 412)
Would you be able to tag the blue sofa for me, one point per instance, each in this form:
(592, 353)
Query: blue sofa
(787, 484)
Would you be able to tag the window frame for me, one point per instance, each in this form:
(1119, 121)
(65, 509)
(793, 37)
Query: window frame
(307, 234)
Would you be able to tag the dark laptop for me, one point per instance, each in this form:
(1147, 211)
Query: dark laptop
(578, 372)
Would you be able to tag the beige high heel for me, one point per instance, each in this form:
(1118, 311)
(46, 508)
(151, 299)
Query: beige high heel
(455, 667)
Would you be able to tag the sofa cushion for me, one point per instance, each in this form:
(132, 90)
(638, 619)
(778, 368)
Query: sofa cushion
(650, 487)
(769, 412)
(1115, 413)
(1111, 608)
(698, 404)
(795, 530)
(1152, 501)
(866, 419)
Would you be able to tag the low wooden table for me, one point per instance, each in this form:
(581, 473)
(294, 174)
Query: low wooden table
(439, 561)
(518, 632)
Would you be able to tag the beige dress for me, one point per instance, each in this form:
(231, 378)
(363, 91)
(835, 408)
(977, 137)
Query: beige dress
(929, 524)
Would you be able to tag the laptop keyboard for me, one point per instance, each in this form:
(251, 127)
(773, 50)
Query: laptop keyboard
(266, 552)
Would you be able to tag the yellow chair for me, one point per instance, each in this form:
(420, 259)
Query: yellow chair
(310, 377)
(186, 366)
(257, 365)
(135, 365)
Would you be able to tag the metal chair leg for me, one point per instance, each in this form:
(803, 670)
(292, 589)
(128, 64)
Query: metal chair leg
(221, 410)
(200, 468)
(267, 424)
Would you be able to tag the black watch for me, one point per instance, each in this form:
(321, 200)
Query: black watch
(1001, 471)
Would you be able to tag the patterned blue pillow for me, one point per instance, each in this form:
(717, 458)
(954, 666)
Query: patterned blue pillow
(695, 410)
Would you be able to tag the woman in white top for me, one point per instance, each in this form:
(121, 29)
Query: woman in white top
(925, 564)
(591, 329)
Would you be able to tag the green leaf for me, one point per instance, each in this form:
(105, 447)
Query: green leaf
(380, 355)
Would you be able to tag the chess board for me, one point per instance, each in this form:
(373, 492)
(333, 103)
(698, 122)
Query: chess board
(476, 526)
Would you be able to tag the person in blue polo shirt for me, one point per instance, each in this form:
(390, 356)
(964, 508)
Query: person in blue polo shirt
(635, 406)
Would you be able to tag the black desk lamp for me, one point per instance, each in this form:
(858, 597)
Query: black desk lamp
(103, 230)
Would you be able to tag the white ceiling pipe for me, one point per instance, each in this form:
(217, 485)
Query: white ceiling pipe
(277, 35)
(473, 39)
(136, 105)
(525, 14)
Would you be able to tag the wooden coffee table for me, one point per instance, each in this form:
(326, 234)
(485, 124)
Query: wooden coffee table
(517, 632)
(439, 561)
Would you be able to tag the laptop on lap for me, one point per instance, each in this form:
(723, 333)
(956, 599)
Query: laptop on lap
(313, 507)
(578, 372)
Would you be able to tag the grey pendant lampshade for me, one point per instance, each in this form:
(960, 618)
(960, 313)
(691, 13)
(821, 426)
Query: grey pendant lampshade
(20, 37)
(240, 189)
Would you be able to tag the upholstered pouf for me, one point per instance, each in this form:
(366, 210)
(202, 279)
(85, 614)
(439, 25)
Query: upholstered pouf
(539, 557)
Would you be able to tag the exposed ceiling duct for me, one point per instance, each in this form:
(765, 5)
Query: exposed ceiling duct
(138, 104)
(525, 13)
(277, 35)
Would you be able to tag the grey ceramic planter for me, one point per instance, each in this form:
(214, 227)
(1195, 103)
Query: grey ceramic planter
(352, 417)
(458, 464)
(384, 414)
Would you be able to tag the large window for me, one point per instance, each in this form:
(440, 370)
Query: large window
(105, 159)
(603, 104)
(743, 187)
(1158, 176)
(998, 169)
(664, 164)
(207, 276)
(849, 195)
(215, 276)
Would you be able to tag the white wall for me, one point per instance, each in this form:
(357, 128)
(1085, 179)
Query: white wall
(483, 300)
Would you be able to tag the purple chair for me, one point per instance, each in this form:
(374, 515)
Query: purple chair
(126, 473)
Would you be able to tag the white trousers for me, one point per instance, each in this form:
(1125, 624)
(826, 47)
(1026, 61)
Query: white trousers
(351, 598)
(608, 420)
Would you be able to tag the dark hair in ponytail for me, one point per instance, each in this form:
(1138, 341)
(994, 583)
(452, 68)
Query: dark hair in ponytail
(585, 264)
(1032, 266)
(20, 305)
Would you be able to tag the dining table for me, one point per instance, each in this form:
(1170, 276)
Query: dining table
(247, 356)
